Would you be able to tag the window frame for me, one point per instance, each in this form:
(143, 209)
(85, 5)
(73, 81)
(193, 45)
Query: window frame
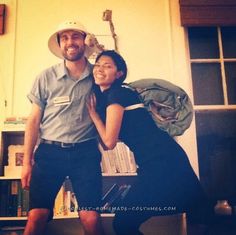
(221, 60)
(215, 142)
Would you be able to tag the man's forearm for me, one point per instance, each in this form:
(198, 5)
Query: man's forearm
(30, 140)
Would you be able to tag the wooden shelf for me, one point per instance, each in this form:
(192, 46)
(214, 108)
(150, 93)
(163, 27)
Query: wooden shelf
(103, 174)
(14, 128)
(119, 174)
(8, 218)
(10, 177)
(55, 217)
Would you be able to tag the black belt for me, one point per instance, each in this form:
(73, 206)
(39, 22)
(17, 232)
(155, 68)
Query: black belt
(64, 145)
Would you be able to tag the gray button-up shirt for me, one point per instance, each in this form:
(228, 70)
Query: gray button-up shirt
(63, 102)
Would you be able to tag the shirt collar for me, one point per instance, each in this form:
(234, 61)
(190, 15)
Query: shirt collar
(62, 71)
(88, 70)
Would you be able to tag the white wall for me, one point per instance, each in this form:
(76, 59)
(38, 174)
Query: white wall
(149, 37)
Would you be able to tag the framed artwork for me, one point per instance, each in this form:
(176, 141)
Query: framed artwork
(2, 17)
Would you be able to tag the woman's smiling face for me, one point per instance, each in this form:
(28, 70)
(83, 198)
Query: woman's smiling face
(105, 72)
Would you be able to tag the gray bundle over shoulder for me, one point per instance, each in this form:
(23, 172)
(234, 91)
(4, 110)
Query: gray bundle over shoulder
(169, 105)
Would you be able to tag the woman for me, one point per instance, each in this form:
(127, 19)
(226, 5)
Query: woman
(166, 183)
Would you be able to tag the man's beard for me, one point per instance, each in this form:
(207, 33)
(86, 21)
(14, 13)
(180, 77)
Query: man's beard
(76, 57)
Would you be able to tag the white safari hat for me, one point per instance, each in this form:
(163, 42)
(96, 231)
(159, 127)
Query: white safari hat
(67, 25)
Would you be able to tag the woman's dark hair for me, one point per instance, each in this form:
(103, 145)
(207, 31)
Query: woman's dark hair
(118, 61)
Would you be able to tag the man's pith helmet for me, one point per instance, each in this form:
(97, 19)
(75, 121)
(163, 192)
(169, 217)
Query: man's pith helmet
(65, 26)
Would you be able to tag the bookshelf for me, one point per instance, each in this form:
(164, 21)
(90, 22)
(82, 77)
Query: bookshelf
(9, 178)
(15, 136)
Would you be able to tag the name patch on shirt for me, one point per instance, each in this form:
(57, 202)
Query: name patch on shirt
(61, 100)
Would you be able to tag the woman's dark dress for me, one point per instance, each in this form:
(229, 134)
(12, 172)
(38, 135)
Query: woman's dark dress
(166, 182)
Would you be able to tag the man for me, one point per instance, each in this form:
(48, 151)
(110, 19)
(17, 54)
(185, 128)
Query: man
(67, 139)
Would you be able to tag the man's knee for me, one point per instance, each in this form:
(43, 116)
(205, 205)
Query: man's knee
(37, 220)
(38, 215)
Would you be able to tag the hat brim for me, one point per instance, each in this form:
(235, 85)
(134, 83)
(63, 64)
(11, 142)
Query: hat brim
(56, 50)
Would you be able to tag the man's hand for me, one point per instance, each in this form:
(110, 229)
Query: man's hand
(26, 176)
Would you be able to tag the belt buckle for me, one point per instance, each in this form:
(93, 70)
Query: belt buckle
(67, 145)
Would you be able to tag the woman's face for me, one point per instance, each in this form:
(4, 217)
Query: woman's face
(105, 72)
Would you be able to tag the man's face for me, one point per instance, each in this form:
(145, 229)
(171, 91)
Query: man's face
(72, 45)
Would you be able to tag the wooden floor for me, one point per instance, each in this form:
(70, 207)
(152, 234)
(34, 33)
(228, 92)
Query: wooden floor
(166, 225)
(170, 225)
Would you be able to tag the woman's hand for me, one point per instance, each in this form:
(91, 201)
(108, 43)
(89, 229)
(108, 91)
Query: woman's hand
(91, 106)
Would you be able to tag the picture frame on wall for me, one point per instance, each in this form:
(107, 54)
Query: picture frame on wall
(2, 18)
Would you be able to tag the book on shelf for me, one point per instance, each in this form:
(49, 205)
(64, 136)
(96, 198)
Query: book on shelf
(122, 156)
(111, 161)
(125, 159)
(14, 123)
(19, 200)
(118, 160)
(14, 200)
(4, 191)
(105, 162)
(24, 202)
(131, 161)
